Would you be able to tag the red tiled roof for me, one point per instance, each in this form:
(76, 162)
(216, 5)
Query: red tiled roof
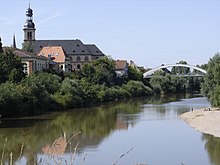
(121, 64)
(56, 53)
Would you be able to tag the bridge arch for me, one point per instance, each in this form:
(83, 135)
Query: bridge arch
(152, 71)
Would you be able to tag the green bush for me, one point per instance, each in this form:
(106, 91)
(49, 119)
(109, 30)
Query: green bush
(16, 100)
(137, 89)
(69, 94)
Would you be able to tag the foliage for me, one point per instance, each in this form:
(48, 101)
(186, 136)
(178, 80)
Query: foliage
(47, 82)
(180, 70)
(137, 89)
(42, 86)
(11, 67)
(101, 71)
(164, 84)
(16, 99)
(134, 74)
(28, 47)
(69, 94)
(211, 86)
(95, 83)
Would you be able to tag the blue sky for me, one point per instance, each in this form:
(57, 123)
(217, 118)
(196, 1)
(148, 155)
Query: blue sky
(149, 32)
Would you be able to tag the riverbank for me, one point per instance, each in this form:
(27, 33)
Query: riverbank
(204, 120)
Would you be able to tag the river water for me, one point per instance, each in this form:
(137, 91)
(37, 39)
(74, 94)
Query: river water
(146, 131)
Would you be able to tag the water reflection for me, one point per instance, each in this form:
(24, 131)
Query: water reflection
(95, 124)
(32, 140)
(212, 145)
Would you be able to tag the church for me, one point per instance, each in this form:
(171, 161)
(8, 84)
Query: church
(69, 54)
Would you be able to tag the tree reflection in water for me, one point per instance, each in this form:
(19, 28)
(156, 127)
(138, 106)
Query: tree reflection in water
(212, 145)
(38, 136)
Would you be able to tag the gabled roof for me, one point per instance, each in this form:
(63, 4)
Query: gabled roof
(70, 47)
(22, 54)
(121, 65)
(55, 52)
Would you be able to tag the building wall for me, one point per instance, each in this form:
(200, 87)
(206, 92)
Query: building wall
(34, 65)
(79, 60)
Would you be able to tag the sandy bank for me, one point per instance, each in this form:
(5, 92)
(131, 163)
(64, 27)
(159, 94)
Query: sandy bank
(207, 122)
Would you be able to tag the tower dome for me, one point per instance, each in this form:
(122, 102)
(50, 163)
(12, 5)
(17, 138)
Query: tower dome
(29, 12)
(29, 26)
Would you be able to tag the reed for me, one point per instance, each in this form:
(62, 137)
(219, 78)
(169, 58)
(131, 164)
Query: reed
(54, 153)
(3, 150)
(123, 156)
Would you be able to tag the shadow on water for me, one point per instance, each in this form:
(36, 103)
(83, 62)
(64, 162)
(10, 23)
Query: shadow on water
(19, 123)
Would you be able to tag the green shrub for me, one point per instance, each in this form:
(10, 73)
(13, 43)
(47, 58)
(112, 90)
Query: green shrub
(69, 94)
(137, 89)
(16, 100)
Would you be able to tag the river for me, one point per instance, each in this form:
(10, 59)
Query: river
(145, 131)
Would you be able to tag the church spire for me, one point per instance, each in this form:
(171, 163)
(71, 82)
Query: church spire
(14, 42)
(1, 49)
(29, 26)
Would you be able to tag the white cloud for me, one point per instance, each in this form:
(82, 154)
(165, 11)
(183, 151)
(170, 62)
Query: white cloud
(51, 17)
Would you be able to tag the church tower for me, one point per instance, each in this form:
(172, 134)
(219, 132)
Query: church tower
(29, 26)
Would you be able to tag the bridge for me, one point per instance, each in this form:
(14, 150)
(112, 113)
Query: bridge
(152, 71)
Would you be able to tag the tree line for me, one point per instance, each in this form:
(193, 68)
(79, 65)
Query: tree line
(97, 82)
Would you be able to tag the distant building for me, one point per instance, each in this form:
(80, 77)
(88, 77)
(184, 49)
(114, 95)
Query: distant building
(121, 67)
(77, 52)
(32, 63)
(133, 65)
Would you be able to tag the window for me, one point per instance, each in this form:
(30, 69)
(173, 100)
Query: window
(86, 58)
(74, 51)
(78, 66)
(29, 35)
(25, 69)
(83, 51)
(71, 59)
(97, 51)
(77, 45)
(78, 59)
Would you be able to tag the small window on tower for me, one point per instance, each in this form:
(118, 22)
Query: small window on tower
(29, 35)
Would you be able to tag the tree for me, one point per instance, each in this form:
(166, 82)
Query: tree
(101, 71)
(11, 67)
(134, 74)
(28, 47)
(180, 70)
(69, 94)
(162, 84)
(211, 85)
